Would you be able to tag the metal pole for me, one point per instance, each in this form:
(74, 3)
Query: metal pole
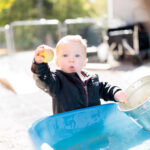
(8, 39)
(40, 5)
(136, 39)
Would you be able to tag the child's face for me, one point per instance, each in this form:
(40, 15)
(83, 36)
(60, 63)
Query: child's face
(71, 57)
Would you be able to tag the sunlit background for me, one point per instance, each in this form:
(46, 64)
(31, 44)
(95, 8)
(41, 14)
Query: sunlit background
(117, 34)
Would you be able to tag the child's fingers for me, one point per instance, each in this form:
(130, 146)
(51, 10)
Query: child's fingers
(38, 59)
(125, 97)
(122, 97)
(43, 53)
(39, 50)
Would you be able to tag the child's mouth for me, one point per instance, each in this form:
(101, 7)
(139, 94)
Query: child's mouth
(71, 67)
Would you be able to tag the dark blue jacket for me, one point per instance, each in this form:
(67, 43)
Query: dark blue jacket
(68, 91)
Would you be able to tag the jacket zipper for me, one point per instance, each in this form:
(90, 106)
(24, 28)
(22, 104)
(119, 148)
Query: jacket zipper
(85, 90)
(86, 93)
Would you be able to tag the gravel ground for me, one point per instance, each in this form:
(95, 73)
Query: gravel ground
(19, 111)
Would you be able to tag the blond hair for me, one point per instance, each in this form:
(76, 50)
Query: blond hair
(71, 38)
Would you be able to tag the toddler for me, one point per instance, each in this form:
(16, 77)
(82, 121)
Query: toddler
(70, 87)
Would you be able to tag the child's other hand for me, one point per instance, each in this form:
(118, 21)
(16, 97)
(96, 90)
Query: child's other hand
(40, 54)
(121, 96)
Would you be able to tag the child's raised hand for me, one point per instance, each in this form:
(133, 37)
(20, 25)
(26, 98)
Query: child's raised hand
(121, 96)
(43, 53)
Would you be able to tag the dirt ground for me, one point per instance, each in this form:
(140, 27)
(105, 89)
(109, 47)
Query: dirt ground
(18, 111)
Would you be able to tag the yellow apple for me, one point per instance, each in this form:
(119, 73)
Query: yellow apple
(47, 55)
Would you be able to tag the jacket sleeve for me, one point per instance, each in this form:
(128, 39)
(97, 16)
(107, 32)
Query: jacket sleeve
(44, 78)
(107, 91)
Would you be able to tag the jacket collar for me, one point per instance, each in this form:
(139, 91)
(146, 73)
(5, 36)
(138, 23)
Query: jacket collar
(75, 75)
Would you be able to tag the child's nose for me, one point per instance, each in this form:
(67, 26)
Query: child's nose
(71, 59)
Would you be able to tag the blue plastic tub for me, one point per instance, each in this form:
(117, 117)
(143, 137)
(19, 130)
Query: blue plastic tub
(101, 127)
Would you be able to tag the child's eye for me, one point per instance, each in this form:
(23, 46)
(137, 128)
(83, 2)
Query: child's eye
(65, 55)
(77, 55)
